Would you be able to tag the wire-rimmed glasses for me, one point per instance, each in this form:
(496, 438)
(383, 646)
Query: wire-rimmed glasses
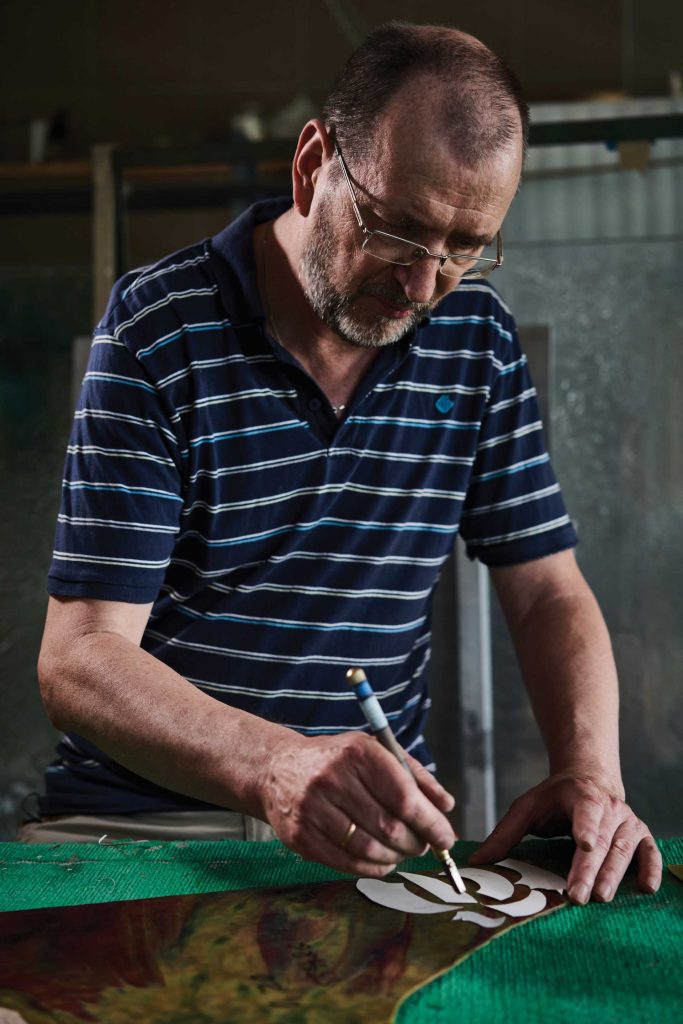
(394, 249)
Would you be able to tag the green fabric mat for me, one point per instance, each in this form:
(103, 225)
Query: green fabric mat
(615, 962)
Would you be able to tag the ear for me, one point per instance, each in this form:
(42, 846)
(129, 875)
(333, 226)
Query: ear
(313, 151)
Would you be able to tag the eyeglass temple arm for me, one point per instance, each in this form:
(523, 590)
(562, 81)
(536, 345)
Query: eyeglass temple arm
(349, 185)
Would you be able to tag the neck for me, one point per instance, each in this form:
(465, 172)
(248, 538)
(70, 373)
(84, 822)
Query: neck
(336, 366)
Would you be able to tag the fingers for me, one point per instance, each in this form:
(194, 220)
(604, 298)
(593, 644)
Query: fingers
(401, 798)
(350, 858)
(317, 787)
(607, 833)
(431, 788)
(588, 816)
(617, 836)
(509, 831)
(649, 865)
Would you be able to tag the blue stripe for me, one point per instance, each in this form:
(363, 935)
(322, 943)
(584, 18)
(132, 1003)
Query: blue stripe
(237, 434)
(119, 489)
(299, 528)
(318, 627)
(185, 329)
(515, 469)
(438, 424)
(96, 375)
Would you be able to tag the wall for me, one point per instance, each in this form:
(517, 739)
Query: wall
(148, 72)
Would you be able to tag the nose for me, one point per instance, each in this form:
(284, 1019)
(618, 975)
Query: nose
(422, 279)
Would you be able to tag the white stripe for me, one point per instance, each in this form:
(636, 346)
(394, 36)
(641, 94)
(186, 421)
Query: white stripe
(315, 556)
(458, 353)
(462, 287)
(361, 655)
(235, 396)
(67, 556)
(512, 502)
(256, 691)
(120, 453)
(531, 531)
(412, 420)
(144, 278)
(208, 364)
(392, 456)
(252, 467)
(334, 556)
(473, 319)
(434, 389)
(517, 400)
(105, 414)
(187, 294)
(530, 428)
(106, 339)
(283, 588)
(274, 499)
(116, 524)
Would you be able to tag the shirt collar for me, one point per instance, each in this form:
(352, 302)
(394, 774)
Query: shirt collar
(236, 269)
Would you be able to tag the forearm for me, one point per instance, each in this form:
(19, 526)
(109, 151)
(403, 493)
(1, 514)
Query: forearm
(566, 659)
(151, 720)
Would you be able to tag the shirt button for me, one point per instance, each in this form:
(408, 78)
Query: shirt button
(314, 404)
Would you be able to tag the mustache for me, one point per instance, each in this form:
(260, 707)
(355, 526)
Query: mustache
(396, 298)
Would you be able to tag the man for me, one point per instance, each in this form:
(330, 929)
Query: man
(280, 432)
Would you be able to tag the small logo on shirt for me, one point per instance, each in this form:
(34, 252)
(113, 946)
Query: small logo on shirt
(444, 404)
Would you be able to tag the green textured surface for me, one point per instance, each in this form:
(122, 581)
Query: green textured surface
(612, 962)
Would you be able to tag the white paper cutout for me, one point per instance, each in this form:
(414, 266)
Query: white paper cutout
(490, 883)
(442, 890)
(535, 878)
(531, 904)
(474, 918)
(395, 896)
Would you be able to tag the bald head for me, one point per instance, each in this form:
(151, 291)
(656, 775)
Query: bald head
(476, 103)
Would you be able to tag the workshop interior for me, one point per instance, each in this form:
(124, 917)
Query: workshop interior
(130, 130)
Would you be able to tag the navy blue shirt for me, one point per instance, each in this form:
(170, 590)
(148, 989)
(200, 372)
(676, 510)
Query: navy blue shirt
(207, 473)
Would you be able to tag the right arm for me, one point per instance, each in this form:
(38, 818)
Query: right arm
(98, 682)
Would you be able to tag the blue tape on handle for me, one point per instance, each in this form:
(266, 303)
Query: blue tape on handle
(362, 690)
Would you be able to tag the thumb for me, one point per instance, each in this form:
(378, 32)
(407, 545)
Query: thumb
(509, 831)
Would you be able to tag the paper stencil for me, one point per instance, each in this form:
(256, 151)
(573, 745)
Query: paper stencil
(490, 883)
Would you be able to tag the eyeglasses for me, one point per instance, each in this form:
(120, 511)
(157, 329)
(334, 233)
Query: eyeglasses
(394, 249)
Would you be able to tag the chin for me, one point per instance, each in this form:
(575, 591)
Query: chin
(376, 334)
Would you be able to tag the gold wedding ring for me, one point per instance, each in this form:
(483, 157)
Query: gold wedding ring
(349, 832)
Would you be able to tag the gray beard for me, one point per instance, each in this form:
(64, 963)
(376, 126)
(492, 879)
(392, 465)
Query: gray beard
(335, 308)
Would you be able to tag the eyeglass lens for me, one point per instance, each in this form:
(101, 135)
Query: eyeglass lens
(396, 250)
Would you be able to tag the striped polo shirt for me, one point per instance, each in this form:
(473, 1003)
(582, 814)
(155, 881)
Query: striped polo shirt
(206, 473)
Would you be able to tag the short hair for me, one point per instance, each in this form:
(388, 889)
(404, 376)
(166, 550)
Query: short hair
(483, 103)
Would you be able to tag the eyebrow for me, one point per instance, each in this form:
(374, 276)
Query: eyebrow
(393, 217)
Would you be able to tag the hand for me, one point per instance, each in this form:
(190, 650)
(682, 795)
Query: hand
(312, 789)
(606, 831)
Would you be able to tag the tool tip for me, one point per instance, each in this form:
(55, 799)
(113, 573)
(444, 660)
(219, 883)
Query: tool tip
(452, 872)
(355, 676)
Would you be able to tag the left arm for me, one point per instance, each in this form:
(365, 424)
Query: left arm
(566, 659)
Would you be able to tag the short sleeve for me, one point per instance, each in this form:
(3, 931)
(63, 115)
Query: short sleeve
(514, 511)
(123, 482)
